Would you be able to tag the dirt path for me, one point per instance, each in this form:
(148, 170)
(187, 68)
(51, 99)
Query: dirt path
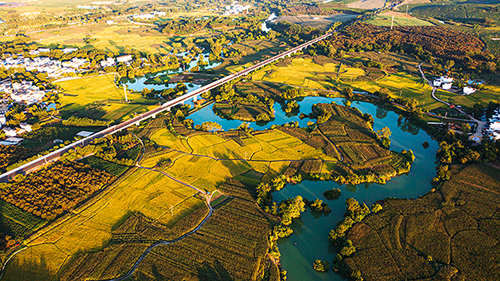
(334, 146)
(249, 160)
(160, 243)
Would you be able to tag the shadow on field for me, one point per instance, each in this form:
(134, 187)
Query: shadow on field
(28, 269)
(213, 272)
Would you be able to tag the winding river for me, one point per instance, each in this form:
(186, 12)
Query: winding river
(310, 238)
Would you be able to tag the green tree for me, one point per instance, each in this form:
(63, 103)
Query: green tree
(291, 208)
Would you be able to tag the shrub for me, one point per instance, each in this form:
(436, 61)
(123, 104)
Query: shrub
(321, 266)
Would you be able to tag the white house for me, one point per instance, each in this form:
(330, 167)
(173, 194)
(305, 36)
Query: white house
(84, 134)
(125, 58)
(14, 140)
(3, 120)
(468, 90)
(442, 80)
(25, 126)
(43, 50)
(108, 62)
(446, 86)
(69, 50)
(10, 132)
(110, 21)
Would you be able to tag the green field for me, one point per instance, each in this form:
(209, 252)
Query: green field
(89, 229)
(99, 98)
(114, 38)
(271, 145)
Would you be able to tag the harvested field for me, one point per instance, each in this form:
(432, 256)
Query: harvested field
(400, 19)
(456, 227)
(229, 247)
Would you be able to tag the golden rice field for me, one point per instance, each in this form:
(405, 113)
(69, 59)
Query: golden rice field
(89, 229)
(207, 173)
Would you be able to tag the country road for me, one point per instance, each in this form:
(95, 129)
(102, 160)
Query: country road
(208, 198)
(480, 124)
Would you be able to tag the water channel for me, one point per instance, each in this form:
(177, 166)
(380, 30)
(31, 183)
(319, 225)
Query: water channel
(310, 238)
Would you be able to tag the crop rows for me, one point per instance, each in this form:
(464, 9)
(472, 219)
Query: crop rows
(311, 167)
(237, 189)
(292, 169)
(227, 247)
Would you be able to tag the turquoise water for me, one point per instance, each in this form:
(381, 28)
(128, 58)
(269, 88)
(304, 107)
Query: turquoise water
(137, 84)
(310, 238)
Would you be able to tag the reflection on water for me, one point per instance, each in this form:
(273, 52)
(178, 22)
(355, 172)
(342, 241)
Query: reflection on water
(139, 83)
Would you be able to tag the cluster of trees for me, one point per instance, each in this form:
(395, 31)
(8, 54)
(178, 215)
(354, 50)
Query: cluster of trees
(354, 213)
(331, 194)
(10, 154)
(317, 206)
(55, 189)
(121, 148)
(383, 136)
(167, 94)
(384, 96)
(456, 148)
(436, 45)
(6, 241)
(84, 122)
(292, 93)
(321, 266)
(291, 106)
(45, 134)
(295, 32)
(287, 210)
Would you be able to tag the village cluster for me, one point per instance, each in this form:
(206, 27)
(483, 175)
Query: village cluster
(53, 67)
(25, 92)
(235, 9)
(446, 83)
